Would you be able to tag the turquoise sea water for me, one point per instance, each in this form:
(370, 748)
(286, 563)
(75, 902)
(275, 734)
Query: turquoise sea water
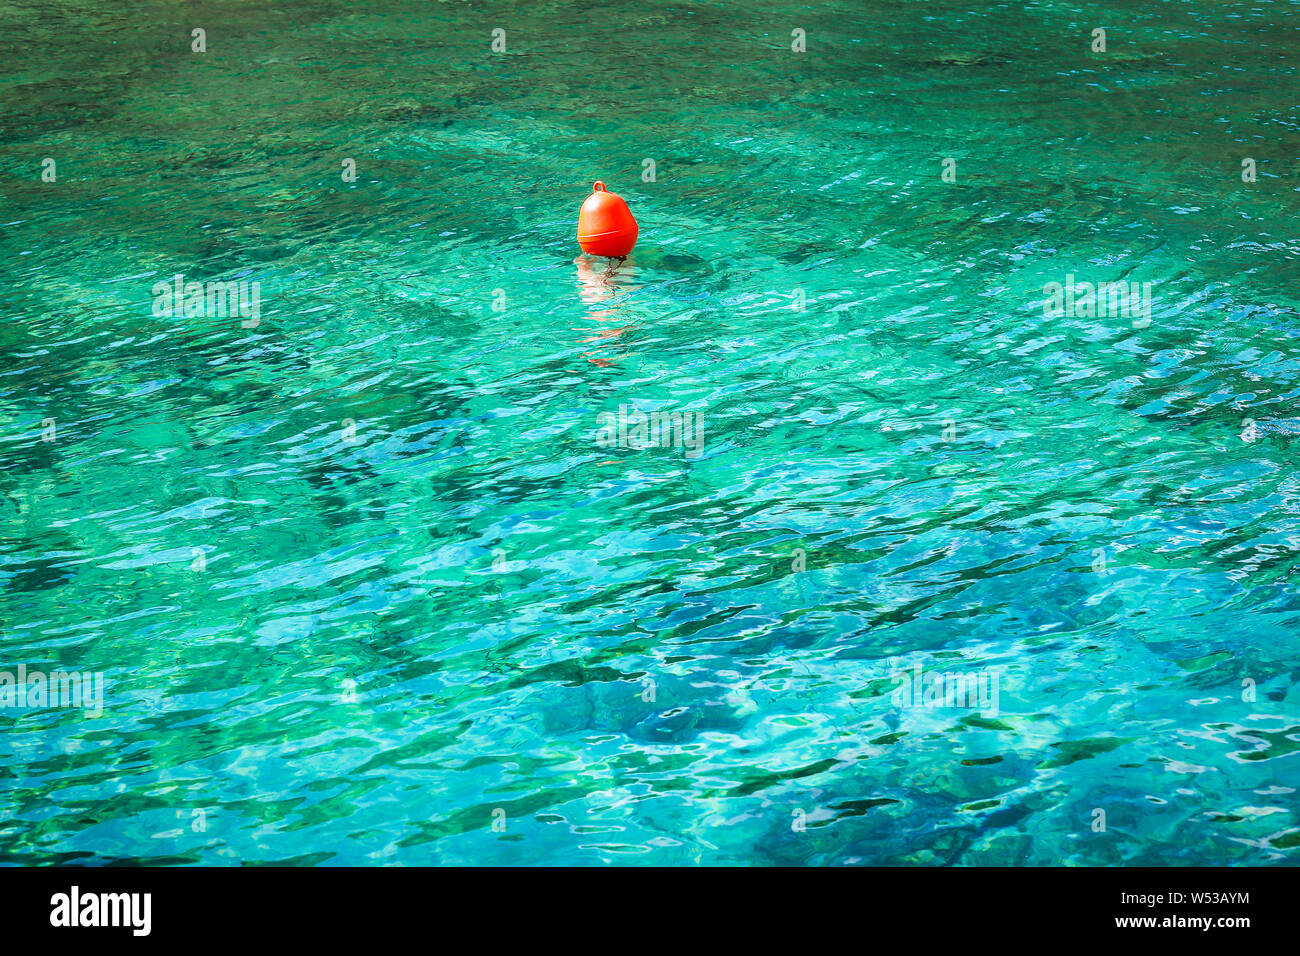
(365, 585)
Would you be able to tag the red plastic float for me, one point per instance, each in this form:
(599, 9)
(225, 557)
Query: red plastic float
(605, 224)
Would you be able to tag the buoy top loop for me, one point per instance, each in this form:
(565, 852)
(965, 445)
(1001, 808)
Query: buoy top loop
(598, 187)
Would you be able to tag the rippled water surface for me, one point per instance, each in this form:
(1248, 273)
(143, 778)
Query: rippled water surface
(366, 587)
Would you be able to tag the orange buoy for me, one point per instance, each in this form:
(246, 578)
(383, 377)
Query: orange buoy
(605, 224)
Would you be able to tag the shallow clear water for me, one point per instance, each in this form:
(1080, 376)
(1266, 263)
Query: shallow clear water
(364, 584)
